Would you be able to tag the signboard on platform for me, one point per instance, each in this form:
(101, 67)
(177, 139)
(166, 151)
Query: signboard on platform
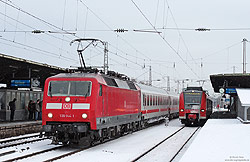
(230, 90)
(20, 83)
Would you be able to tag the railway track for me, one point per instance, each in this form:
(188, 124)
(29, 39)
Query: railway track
(184, 144)
(78, 150)
(96, 144)
(5, 143)
(146, 153)
(53, 154)
(18, 139)
(33, 154)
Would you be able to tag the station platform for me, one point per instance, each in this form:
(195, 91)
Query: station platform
(223, 114)
(15, 128)
(220, 140)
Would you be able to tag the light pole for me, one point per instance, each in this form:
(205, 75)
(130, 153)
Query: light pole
(244, 55)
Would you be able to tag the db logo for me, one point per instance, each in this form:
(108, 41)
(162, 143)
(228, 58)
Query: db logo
(66, 106)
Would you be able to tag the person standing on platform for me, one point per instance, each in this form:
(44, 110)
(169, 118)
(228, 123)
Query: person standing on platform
(33, 109)
(38, 109)
(12, 105)
(30, 109)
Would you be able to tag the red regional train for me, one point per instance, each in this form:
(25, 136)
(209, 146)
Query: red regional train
(89, 107)
(195, 106)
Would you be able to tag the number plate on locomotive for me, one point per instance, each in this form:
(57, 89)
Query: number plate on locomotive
(194, 111)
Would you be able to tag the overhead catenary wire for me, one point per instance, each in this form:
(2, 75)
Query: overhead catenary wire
(18, 8)
(67, 32)
(171, 47)
(230, 46)
(29, 31)
(34, 48)
(35, 17)
(112, 29)
(188, 51)
(49, 43)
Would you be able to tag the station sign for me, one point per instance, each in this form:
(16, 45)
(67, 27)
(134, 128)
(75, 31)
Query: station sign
(230, 90)
(35, 83)
(25, 83)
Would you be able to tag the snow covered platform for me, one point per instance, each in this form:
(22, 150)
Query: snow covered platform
(220, 140)
(223, 115)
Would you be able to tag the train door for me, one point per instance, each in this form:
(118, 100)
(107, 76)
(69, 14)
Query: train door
(101, 100)
(106, 93)
(169, 106)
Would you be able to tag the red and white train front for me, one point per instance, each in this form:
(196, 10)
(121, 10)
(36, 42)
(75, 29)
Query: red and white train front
(81, 105)
(194, 107)
(68, 106)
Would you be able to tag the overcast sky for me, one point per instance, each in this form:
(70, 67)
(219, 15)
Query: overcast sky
(180, 54)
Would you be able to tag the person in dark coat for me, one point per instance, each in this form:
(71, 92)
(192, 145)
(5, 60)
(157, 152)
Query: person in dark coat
(30, 109)
(12, 105)
(33, 110)
(38, 109)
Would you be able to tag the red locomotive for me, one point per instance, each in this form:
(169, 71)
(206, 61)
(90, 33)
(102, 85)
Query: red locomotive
(92, 106)
(195, 106)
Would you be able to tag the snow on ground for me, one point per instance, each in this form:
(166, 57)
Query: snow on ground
(128, 147)
(20, 136)
(25, 149)
(167, 150)
(220, 140)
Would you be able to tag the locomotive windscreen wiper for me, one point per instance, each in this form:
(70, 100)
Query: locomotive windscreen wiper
(87, 93)
(50, 93)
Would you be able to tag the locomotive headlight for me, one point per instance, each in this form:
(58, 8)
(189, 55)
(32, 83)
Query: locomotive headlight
(67, 99)
(182, 110)
(84, 116)
(50, 115)
(202, 110)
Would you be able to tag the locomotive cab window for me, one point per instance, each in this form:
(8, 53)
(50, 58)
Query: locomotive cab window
(69, 88)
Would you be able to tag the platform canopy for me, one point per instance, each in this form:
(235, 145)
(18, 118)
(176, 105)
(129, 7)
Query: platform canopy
(236, 80)
(244, 96)
(21, 69)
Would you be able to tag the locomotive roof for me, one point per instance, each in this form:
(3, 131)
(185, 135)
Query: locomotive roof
(195, 88)
(101, 78)
(80, 75)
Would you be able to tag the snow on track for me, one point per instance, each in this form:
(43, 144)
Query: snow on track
(128, 147)
(167, 150)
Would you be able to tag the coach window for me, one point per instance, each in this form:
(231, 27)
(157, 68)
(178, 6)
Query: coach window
(151, 100)
(143, 99)
(147, 100)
